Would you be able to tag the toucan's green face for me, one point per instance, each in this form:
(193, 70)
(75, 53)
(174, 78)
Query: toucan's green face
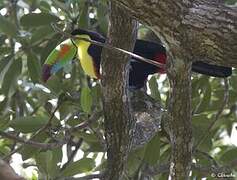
(58, 58)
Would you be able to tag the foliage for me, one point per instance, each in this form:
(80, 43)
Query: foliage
(27, 104)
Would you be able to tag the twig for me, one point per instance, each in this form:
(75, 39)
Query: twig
(85, 124)
(143, 59)
(218, 114)
(70, 158)
(88, 123)
(32, 143)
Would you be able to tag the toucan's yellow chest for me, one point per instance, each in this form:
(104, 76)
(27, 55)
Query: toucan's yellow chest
(85, 58)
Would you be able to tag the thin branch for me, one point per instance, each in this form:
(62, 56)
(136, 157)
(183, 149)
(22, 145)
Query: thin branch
(218, 114)
(143, 59)
(86, 123)
(36, 134)
(94, 117)
(32, 143)
(70, 158)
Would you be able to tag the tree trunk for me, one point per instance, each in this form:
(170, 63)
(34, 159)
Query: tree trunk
(179, 124)
(117, 110)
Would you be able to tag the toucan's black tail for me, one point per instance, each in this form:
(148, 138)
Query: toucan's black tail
(211, 70)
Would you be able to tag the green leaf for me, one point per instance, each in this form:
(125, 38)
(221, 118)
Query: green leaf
(152, 153)
(94, 147)
(135, 160)
(3, 120)
(49, 47)
(54, 84)
(96, 94)
(86, 99)
(44, 161)
(80, 166)
(102, 16)
(57, 157)
(84, 18)
(11, 76)
(33, 67)
(5, 50)
(61, 5)
(7, 27)
(200, 125)
(229, 155)
(44, 6)
(3, 64)
(233, 81)
(41, 33)
(154, 88)
(28, 124)
(38, 19)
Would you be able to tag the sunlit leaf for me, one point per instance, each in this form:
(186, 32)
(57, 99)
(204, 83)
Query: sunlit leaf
(11, 76)
(86, 99)
(42, 33)
(228, 155)
(80, 166)
(38, 19)
(84, 16)
(44, 161)
(154, 88)
(28, 124)
(152, 153)
(33, 67)
(7, 27)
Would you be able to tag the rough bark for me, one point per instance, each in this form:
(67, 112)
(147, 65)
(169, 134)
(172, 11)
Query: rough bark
(196, 30)
(117, 110)
(179, 124)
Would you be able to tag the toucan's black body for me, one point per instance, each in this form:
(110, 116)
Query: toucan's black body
(139, 71)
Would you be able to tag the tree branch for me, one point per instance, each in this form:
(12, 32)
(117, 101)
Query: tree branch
(200, 29)
(70, 158)
(37, 133)
(32, 143)
(179, 125)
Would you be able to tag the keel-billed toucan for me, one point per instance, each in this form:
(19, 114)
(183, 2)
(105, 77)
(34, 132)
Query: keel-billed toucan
(90, 57)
